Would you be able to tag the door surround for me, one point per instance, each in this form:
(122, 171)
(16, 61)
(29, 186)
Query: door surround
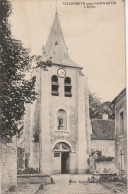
(62, 158)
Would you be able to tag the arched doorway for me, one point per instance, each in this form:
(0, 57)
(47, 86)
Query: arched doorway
(61, 158)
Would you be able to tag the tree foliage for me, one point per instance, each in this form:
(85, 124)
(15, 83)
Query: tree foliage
(98, 156)
(14, 88)
(98, 108)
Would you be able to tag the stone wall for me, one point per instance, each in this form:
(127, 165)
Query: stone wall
(121, 139)
(106, 146)
(109, 166)
(8, 165)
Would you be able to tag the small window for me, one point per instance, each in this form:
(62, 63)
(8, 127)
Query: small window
(67, 87)
(54, 86)
(122, 123)
(56, 154)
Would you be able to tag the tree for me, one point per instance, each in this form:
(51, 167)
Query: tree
(98, 108)
(95, 107)
(109, 108)
(14, 88)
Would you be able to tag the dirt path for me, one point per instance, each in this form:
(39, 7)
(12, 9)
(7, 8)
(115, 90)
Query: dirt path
(80, 186)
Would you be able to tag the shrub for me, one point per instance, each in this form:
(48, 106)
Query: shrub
(12, 188)
(109, 178)
(104, 158)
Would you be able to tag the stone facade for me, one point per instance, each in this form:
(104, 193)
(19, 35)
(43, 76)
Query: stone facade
(106, 166)
(57, 125)
(8, 166)
(121, 131)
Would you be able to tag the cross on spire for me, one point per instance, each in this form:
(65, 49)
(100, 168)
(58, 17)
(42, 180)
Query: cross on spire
(56, 7)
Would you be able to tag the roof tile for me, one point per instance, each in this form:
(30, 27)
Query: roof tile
(103, 129)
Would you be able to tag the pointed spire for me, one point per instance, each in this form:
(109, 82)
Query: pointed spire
(55, 46)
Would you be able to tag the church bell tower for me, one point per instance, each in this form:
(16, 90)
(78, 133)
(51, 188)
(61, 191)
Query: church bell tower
(61, 112)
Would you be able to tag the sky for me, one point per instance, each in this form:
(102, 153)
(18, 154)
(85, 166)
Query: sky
(95, 37)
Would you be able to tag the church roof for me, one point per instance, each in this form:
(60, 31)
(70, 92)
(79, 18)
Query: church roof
(56, 48)
(120, 96)
(103, 129)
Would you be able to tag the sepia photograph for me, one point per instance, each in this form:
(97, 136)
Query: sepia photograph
(63, 113)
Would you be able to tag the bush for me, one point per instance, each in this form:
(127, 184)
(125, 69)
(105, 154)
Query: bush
(108, 178)
(113, 178)
(104, 158)
(12, 188)
(123, 179)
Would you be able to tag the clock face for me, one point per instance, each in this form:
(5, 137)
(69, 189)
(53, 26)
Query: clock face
(61, 72)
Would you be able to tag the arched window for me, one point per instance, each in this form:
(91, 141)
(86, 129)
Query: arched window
(61, 146)
(67, 87)
(54, 86)
(61, 120)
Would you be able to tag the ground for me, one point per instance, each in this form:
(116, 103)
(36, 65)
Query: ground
(79, 186)
(117, 186)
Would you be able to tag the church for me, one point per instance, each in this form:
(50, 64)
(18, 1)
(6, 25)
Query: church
(57, 125)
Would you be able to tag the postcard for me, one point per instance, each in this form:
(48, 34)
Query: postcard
(63, 96)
